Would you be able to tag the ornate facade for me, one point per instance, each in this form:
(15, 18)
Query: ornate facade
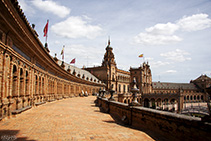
(109, 74)
(165, 95)
(29, 76)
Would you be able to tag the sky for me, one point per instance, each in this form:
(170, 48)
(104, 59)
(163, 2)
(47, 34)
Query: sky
(174, 36)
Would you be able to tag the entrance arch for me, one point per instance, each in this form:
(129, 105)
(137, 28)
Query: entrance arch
(146, 102)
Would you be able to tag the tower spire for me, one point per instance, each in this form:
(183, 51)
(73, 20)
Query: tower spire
(109, 41)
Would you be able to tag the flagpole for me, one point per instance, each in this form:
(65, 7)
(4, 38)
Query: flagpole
(46, 34)
(46, 38)
(63, 53)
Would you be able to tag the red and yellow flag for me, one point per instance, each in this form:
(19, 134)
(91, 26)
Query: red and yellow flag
(73, 61)
(45, 30)
(141, 55)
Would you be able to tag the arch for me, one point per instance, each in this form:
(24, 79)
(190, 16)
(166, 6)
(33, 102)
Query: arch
(198, 97)
(125, 101)
(27, 83)
(146, 102)
(21, 88)
(173, 105)
(128, 101)
(159, 104)
(36, 84)
(188, 97)
(14, 81)
(43, 82)
(202, 97)
(124, 88)
(165, 104)
(152, 101)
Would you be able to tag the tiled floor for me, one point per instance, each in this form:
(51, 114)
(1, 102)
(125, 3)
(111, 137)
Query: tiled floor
(68, 119)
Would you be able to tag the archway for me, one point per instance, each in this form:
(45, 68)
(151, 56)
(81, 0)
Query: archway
(159, 104)
(152, 101)
(172, 106)
(146, 102)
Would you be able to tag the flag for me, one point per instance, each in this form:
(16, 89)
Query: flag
(141, 55)
(73, 61)
(45, 30)
(62, 53)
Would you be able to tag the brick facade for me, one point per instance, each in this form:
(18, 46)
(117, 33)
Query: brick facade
(29, 76)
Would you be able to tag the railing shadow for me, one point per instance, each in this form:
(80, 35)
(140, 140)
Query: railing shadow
(150, 133)
(11, 135)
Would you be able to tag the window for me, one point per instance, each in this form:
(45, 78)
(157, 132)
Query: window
(119, 88)
(124, 88)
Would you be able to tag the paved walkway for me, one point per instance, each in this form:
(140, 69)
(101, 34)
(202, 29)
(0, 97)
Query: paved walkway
(68, 119)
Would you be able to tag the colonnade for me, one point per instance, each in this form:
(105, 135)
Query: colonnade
(23, 84)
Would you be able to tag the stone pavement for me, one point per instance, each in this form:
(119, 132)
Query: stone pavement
(67, 119)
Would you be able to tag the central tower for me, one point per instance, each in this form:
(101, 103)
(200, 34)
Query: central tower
(111, 69)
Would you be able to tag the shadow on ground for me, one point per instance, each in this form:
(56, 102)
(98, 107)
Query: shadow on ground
(150, 133)
(10, 135)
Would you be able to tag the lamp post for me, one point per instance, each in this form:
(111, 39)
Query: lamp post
(103, 91)
(134, 90)
(112, 93)
(99, 95)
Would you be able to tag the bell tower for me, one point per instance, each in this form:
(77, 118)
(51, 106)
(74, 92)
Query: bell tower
(110, 64)
(109, 56)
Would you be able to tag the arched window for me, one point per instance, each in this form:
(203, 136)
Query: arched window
(119, 88)
(202, 97)
(188, 97)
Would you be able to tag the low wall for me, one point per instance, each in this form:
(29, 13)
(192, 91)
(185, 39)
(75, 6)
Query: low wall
(160, 125)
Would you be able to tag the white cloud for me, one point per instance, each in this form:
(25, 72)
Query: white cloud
(52, 7)
(157, 64)
(76, 27)
(171, 71)
(194, 22)
(161, 34)
(80, 52)
(26, 7)
(177, 55)
(149, 58)
(152, 39)
(163, 29)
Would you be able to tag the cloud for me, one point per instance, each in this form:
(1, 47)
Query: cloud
(52, 7)
(26, 7)
(178, 55)
(149, 58)
(158, 64)
(164, 33)
(171, 71)
(152, 39)
(80, 52)
(77, 27)
(194, 22)
(163, 29)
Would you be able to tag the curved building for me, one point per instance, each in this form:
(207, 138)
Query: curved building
(29, 76)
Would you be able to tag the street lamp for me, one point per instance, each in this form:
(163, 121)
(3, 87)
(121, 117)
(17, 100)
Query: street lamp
(99, 95)
(103, 91)
(134, 90)
(112, 93)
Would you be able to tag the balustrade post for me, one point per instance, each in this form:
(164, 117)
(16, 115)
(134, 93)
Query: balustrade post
(112, 93)
(134, 90)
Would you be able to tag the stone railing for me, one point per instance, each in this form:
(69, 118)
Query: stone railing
(160, 125)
